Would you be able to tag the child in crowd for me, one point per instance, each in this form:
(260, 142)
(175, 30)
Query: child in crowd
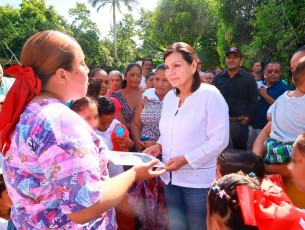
(297, 165)
(235, 160)
(86, 107)
(238, 201)
(209, 77)
(107, 123)
(149, 80)
(287, 114)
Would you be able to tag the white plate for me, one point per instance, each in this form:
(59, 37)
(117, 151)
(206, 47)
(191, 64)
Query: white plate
(131, 158)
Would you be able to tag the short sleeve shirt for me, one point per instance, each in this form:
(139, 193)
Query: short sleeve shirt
(55, 166)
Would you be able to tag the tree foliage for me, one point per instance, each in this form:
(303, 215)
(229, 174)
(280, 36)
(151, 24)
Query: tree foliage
(278, 31)
(234, 24)
(190, 21)
(16, 26)
(87, 34)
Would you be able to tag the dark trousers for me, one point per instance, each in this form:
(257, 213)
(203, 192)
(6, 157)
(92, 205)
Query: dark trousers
(239, 134)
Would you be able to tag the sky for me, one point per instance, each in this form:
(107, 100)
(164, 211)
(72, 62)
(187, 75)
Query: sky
(102, 18)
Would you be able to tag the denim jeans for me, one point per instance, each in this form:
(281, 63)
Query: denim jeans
(186, 207)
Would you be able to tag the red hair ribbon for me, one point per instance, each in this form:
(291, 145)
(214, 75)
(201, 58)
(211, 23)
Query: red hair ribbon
(26, 86)
(269, 208)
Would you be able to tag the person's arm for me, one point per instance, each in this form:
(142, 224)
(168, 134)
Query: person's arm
(278, 169)
(121, 118)
(258, 146)
(113, 190)
(264, 93)
(137, 125)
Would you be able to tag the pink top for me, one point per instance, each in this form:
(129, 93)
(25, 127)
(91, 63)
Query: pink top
(55, 166)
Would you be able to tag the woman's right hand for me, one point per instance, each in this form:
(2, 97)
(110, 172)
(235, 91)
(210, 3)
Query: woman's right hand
(153, 150)
(145, 172)
(139, 145)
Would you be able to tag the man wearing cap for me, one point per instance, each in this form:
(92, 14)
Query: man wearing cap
(239, 89)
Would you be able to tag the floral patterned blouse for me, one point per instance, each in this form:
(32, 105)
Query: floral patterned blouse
(55, 166)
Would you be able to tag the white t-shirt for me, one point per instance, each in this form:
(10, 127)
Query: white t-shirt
(288, 118)
(199, 131)
(143, 83)
(3, 224)
(106, 136)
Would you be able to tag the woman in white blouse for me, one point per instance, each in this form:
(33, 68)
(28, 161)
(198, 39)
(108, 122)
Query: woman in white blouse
(194, 129)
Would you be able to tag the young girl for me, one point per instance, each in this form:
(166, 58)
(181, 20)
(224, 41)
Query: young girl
(239, 202)
(86, 107)
(107, 123)
(235, 160)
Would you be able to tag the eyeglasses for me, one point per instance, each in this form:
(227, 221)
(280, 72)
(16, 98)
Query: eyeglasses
(276, 71)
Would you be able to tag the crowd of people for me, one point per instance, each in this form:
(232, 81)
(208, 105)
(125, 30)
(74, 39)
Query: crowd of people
(225, 137)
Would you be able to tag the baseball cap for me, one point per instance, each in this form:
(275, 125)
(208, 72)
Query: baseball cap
(234, 50)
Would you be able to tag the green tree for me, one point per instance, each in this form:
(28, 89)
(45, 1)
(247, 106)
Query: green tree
(115, 4)
(87, 34)
(278, 32)
(234, 24)
(190, 21)
(17, 25)
(144, 31)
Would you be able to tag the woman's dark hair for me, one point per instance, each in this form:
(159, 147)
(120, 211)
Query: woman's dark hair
(92, 72)
(228, 208)
(128, 68)
(94, 87)
(235, 160)
(189, 56)
(82, 103)
(300, 143)
(299, 72)
(150, 74)
(160, 67)
(105, 106)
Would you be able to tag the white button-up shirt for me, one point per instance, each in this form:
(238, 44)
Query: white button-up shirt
(199, 131)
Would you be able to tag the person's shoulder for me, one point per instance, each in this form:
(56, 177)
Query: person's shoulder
(220, 74)
(8, 80)
(245, 73)
(204, 87)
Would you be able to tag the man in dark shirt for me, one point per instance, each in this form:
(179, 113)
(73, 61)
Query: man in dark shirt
(239, 89)
(268, 93)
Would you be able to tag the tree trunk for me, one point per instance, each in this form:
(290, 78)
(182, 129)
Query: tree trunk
(114, 33)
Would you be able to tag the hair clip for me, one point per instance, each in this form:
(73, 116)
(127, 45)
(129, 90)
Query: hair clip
(222, 193)
(252, 174)
(215, 188)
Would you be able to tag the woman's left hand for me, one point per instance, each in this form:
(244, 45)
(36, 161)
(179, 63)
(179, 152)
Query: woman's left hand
(149, 143)
(175, 163)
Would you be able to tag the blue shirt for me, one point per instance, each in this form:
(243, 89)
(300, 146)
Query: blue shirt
(6, 84)
(259, 119)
